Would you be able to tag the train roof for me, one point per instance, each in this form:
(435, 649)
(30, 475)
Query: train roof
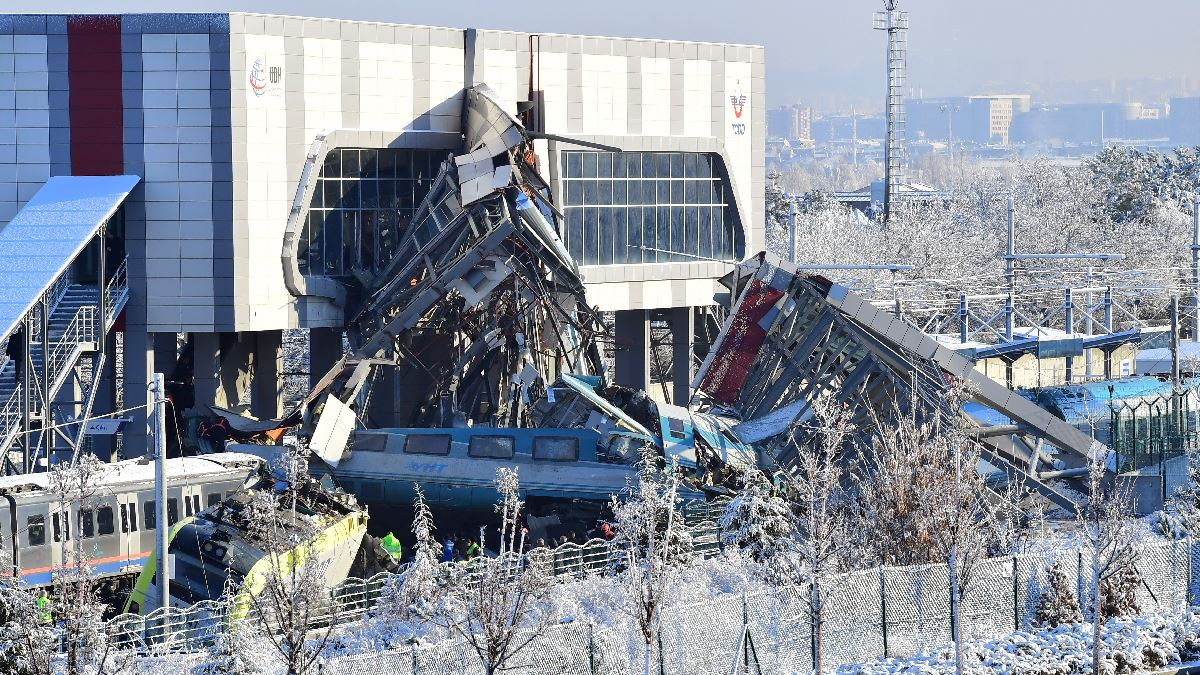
(138, 471)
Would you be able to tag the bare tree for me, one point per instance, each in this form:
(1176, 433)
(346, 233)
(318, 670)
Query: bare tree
(77, 487)
(413, 592)
(823, 521)
(27, 640)
(498, 605)
(294, 601)
(653, 543)
(1112, 538)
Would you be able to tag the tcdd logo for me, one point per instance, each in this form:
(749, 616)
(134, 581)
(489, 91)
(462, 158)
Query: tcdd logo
(738, 100)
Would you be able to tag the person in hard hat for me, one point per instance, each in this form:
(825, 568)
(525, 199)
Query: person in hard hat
(392, 545)
(44, 614)
(472, 549)
(448, 551)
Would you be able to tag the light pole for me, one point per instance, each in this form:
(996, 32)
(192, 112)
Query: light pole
(949, 110)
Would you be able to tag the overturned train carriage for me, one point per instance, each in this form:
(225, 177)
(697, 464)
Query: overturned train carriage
(792, 337)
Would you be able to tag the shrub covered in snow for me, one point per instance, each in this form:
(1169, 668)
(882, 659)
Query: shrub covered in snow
(1057, 605)
(1128, 646)
(1118, 593)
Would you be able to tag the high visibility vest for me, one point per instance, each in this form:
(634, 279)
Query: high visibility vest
(43, 605)
(472, 550)
(392, 546)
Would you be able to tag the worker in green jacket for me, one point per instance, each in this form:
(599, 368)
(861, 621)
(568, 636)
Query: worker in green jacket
(392, 545)
(45, 616)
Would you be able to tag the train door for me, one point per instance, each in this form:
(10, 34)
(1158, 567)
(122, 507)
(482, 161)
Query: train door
(192, 500)
(34, 542)
(108, 545)
(130, 523)
(148, 523)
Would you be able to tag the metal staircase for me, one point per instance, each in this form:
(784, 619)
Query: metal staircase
(74, 344)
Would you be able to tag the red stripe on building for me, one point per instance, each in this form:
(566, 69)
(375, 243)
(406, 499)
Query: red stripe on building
(94, 80)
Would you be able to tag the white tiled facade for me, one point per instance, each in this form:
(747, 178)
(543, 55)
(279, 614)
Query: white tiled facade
(24, 120)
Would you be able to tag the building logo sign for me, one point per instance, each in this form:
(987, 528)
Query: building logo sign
(264, 78)
(738, 101)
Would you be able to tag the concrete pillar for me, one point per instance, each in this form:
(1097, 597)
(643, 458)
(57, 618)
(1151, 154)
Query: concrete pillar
(266, 397)
(632, 335)
(138, 366)
(222, 367)
(324, 349)
(683, 333)
(206, 364)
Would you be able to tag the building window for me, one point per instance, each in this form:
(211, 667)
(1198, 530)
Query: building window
(361, 205)
(645, 207)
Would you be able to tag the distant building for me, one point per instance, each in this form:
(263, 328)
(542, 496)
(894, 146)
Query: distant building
(1184, 122)
(790, 121)
(983, 119)
(992, 115)
(1085, 123)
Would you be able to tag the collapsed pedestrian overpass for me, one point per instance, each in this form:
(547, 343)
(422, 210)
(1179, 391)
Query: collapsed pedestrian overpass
(792, 338)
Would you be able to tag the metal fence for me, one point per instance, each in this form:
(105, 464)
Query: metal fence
(868, 615)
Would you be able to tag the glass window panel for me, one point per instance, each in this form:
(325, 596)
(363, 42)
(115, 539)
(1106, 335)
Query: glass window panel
(350, 166)
(150, 515)
(404, 166)
(333, 164)
(494, 447)
(692, 227)
(704, 226)
(633, 164)
(318, 194)
(36, 527)
(331, 243)
(369, 166)
(427, 444)
(662, 165)
(676, 165)
(604, 192)
(349, 240)
(620, 193)
(679, 241)
(572, 193)
(351, 194)
(333, 192)
(619, 164)
(663, 226)
(633, 249)
(604, 164)
(703, 192)
(575, 233)
(387, 163)
(718, 233)
(718, 192)
(387, 194)
(367, 244)
(574, 164)
(369, 191)
(556, 449)
(689, 194)
(604, 236)
(589, 165)
(648, 165)
(589, 192)
(634, 195)
(704, 168)
(649, 235)
(677, 191)
(691, 164)
(589, 236)
(727, 233)
(664, 192)
(104, 521)
(619, 234)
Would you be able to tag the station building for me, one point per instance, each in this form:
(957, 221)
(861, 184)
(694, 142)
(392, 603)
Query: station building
(226, 118)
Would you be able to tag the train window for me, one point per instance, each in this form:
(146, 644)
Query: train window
(675, 428)
(37, 530)
(87, 523)
(214, 499)
(556, 448)
(128, 518)
(172, 511)
(427, 444)
(493, 447)
(149, 515)
(59, 535)
(196, 503)
(187, 506)
(104, 520)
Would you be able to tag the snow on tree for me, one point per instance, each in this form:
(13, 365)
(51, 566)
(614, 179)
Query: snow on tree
(498, 605)
(1112, 539)
(27, 641)
(823, 523)
(410, 595)
(653, 544)
(1057, 605)
(294, 599)
(1118, 593)
(760, 523)
(75, 598)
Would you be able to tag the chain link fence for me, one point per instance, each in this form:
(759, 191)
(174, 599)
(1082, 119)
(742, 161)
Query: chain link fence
(867, 615)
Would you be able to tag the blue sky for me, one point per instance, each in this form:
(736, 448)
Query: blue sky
(822, 51)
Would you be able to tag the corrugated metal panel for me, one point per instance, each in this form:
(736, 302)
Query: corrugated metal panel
(46, 236)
